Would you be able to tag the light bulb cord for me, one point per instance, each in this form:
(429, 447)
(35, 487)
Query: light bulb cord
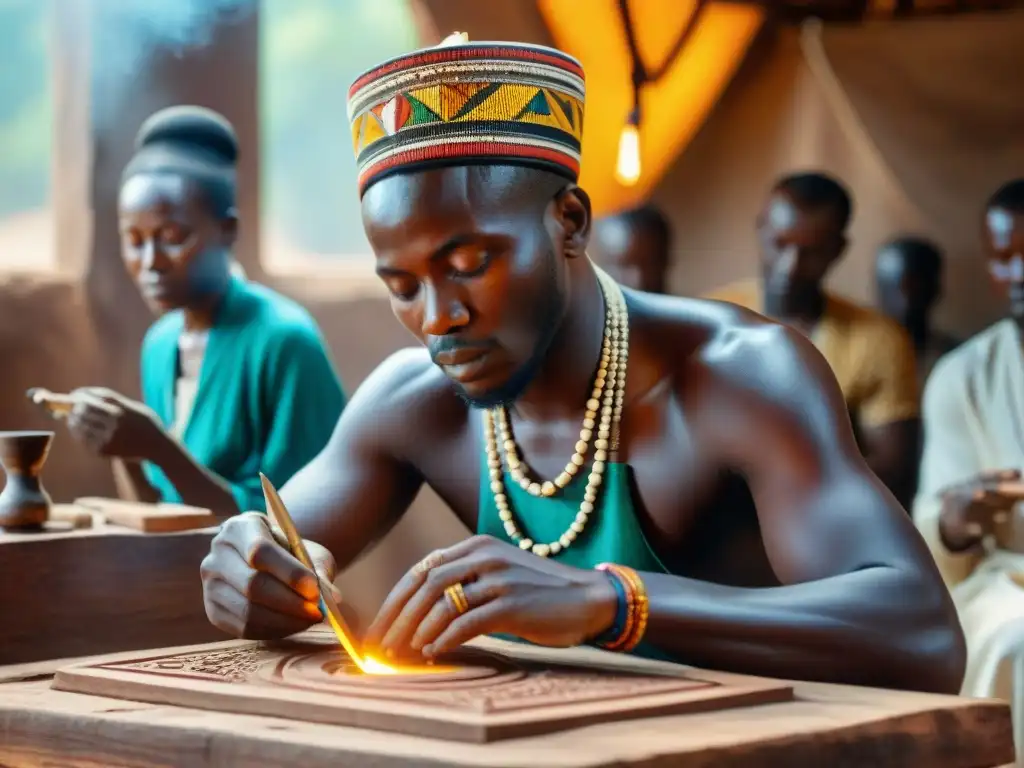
(641, 75)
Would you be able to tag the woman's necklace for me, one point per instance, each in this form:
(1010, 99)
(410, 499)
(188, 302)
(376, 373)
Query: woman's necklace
(604, 410)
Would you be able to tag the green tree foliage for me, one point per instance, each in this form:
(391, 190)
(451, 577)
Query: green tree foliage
(311, 51)
(26, 106)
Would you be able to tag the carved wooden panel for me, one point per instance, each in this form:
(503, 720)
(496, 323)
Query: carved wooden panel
(475, 696)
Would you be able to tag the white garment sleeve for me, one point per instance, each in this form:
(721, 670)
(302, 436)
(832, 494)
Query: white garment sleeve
(950, 456)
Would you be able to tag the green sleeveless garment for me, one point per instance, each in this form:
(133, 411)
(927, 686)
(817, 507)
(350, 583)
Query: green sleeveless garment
(612, 534)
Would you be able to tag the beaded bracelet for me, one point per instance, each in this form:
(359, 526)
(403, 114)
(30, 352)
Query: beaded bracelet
(628, 606)
(615, 631)
(630, 630)
(641, 609)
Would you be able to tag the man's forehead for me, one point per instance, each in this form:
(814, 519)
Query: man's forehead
(1004, 224)
(781, 212)
(890, 262)
(439, 195)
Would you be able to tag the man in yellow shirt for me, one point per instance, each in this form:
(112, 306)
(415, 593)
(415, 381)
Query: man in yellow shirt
(801, 234)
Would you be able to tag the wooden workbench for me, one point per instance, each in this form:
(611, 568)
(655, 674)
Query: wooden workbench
(100, 590)
(828, 725)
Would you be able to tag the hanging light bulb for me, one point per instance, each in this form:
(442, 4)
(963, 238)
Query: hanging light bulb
(627, 167)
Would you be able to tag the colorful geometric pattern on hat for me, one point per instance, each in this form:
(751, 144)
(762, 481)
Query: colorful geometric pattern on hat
(463, 103)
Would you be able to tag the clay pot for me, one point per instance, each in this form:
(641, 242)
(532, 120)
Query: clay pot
(24, 503)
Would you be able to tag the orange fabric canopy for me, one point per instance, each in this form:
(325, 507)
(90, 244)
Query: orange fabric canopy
(673, 108)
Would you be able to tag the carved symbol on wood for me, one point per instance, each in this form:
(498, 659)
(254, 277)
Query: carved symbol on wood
(490, 685)
(484, 697)
(555, 688)
(232, 666)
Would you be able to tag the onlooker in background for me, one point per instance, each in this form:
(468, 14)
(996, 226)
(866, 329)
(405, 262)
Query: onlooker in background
(236, 379)
(973, 455)
(908, 284)
(801, 231)
(633, 247)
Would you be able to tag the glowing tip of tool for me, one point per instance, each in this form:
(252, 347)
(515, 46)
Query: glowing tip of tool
(371, 666)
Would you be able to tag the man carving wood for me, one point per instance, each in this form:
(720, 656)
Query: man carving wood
(672, 477)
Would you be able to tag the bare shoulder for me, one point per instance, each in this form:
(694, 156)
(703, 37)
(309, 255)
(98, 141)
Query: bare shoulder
(406, 378)
(734, 345)
(733, 366)
(405, 395)
(751, 352)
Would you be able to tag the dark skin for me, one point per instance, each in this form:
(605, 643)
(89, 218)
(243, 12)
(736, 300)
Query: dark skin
(906, 292)
(837, 558)
(799, 246)
(175, 249)
(973, 509)
(635, 255)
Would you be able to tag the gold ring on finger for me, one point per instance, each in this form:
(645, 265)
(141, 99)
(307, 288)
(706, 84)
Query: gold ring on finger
(457, 597)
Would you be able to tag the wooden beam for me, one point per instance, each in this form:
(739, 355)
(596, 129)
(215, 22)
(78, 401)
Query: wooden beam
(127, 85)
(72, 138)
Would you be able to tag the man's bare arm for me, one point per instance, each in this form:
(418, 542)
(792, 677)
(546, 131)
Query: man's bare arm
(891, 451)
(357, 488)
(348, 496)
(862, 601)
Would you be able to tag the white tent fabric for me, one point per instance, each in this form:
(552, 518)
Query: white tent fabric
(941, 102)
(921, 118)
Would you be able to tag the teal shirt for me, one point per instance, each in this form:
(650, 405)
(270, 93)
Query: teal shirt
(267, 399)
(612, 534)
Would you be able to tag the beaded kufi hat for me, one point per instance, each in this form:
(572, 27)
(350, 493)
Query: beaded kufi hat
(468, 103)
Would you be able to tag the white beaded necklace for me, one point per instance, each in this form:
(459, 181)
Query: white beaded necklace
(605, 402)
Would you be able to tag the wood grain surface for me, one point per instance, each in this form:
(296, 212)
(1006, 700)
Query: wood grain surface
(100, 590)
(825, 725)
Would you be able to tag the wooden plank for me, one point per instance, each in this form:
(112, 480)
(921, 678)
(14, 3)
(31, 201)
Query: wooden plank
(100, 590)
(45, 670)
(77, 517)
(149, 518)
(478, 697)
(825, 725)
